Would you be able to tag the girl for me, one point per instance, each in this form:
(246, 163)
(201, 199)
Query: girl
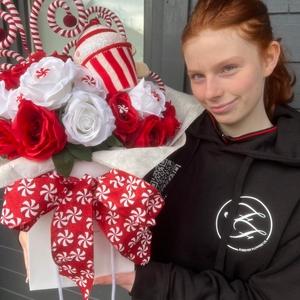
(230, 226)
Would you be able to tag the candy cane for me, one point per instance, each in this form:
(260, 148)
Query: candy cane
(69, 46)
(52, 11)
(17, 20)
(106, 11)
(9, 53)
(34, 21)
(106, 17)
(5, 67)
(12, 33)
(158, 80)
(36, 7)
(100, 15)
(57, 29)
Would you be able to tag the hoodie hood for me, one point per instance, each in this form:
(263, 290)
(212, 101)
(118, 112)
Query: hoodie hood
(280, 143)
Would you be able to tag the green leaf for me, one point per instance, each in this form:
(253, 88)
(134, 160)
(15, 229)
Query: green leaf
(60, 112)
(108, 143)
(80, 152)
(63, 162)
(100, 147)
(113, 141)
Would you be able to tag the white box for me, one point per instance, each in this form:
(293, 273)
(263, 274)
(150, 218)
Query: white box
(42, 269)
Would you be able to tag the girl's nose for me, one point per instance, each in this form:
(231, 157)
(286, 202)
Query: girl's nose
(213, 89)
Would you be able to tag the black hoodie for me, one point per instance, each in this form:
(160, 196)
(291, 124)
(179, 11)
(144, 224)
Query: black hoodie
(230, 228)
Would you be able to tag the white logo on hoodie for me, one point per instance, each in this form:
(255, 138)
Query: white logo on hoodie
(252, 226)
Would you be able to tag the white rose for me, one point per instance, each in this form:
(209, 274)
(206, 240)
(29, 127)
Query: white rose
(48, 82)
(88, 119)
(87, 82)
(14, 98)
(3, 100)
(147, 99)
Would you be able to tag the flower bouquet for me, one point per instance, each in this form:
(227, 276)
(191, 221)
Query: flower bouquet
(57, 113)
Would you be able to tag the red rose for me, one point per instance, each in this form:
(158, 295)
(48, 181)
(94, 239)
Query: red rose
(37, 56)
(127, 118)
(11, 81)
(38, 132)
(170, 120)
(152, 134)
(19, 70)
(63, 57)
(8, 144)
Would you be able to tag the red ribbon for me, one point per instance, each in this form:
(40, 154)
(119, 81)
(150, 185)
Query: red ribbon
(123, 205)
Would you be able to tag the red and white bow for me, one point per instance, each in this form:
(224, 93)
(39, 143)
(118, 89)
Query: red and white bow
(123, 205)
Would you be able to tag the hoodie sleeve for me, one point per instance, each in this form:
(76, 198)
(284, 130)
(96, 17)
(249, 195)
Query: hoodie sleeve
(280, 280)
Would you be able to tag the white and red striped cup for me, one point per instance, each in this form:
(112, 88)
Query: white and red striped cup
(108, 55)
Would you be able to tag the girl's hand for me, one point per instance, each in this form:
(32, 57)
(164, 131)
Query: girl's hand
(23, 239)
(125, 280)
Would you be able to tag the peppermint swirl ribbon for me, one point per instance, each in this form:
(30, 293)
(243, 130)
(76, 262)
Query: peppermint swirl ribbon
(123, 205)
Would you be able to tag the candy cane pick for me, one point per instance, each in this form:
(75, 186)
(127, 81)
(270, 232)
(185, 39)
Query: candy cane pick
(9, 53)
(12, 54)
(36, 7)
(5, 67)
(17, 20)
(12, 33)
(106, 17)
(69, 46)
(100, 15)
(158, 80)
(69, 20)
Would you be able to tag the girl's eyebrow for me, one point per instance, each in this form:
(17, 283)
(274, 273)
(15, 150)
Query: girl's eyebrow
(229, 60)
(221, 63)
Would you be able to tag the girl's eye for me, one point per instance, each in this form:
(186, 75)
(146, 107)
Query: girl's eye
(197, 76)
(229, 68)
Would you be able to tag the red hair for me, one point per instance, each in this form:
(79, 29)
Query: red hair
(251, 19)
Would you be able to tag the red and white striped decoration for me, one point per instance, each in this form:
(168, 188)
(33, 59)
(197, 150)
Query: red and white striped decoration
(106, 17)
(159, 81)
(115, 66)
(9, 53)
(69, 46)
(17, 20)
(109, 13)
(5, 67)
(12, 33)
(36, 7)
(82, 18)
(12, 54)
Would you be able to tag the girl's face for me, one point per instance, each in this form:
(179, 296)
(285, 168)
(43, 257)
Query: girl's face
(227, 78)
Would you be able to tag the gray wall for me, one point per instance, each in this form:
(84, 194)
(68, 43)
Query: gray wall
(285, 18)
(164, 21)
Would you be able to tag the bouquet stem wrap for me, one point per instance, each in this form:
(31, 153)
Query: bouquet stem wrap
(123, 205)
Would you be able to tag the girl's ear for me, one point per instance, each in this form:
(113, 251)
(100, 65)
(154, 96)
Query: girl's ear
(271, 58)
